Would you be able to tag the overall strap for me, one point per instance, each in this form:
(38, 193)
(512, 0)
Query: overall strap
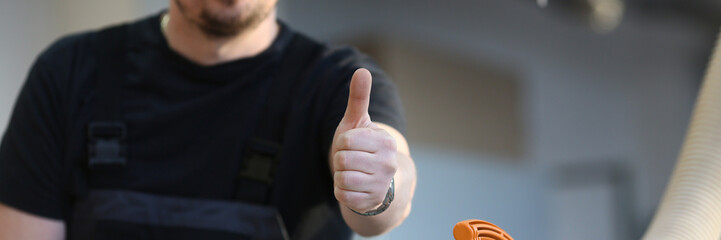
(262, 152)
(106, 131)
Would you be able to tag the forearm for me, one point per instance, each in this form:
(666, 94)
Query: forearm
(364, 159)
(405, 183)
(15, 224)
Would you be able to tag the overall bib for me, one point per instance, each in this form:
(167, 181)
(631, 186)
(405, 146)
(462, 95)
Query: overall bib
(126, 214)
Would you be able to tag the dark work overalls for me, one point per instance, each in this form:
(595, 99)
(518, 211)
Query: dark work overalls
(126, 214)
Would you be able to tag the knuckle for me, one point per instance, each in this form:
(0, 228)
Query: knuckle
(338, 179)
(393, 163)
(346, 139)
(339, 159)
(389, 142)
(342, 179)
(339, 195)
(390, 164)
(347, 197)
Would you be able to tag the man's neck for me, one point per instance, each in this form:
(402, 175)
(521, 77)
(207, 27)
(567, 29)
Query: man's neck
(189, 41)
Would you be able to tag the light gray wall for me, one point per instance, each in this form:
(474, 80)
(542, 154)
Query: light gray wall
(19, 44)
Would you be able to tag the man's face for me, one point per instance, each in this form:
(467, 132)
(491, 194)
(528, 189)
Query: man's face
(225, 18)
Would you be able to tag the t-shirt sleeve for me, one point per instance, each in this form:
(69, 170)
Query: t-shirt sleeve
(31, 149)
(385, 103)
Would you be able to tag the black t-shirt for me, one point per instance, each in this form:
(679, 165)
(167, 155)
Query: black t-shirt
(187, 123)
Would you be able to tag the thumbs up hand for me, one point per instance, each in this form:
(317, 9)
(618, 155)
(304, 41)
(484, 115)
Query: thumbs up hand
(363, 156)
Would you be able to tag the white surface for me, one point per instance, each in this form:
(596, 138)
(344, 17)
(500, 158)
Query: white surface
(691, 207)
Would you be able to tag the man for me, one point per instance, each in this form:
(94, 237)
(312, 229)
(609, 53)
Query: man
(210, 121)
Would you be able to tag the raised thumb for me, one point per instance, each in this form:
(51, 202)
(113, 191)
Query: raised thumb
(359, 97)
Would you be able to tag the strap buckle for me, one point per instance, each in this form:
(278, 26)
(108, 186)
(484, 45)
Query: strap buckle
(105, 147)
(259, 161)
(257, 171)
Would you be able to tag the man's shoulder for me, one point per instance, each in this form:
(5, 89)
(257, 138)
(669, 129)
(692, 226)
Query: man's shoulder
(75, 45)
(324, 53)
(66, 46)
(334, 61)
(338, 55)
(60, 64)
(69, 63)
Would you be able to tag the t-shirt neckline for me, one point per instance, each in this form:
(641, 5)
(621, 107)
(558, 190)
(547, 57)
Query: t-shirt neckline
(217, 71)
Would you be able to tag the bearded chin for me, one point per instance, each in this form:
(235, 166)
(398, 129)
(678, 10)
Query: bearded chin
(219, 25)
(224, 26)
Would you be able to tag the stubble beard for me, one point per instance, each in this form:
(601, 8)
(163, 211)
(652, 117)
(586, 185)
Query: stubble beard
(221, 26)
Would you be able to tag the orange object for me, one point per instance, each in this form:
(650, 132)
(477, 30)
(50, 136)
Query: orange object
(479, 230)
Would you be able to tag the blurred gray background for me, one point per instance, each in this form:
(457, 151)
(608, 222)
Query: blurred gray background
(555, 122)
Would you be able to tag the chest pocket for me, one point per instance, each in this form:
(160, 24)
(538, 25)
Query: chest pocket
(125, 214)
